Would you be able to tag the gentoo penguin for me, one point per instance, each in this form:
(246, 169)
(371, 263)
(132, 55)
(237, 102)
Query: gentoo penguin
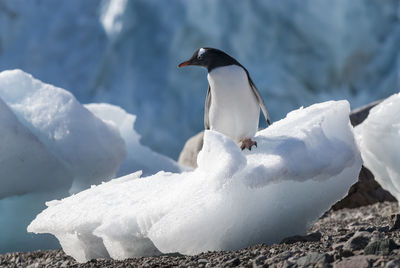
(233, 101)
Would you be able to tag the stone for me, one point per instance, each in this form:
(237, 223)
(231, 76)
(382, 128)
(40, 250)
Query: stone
(393, 264)
(380, 247)
(232, 262)
(365, 191)
(314, 258)
(260, 260)
(313, 237)
(355, 261)
(358, 241)
(394, 223)
(204, 261)
(358, 115)
(346, 253)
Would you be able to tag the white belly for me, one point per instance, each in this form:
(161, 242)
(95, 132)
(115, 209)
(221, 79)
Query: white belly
(234, 109)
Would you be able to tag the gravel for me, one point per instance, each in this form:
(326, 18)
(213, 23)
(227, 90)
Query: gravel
(363, 237)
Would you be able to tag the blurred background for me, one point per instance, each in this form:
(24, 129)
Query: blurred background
(126, 53)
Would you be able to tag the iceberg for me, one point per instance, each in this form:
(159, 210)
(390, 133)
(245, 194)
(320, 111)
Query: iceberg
(303, 164)
(379, 141)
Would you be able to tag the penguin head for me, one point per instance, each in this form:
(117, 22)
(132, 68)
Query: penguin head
(209, 58)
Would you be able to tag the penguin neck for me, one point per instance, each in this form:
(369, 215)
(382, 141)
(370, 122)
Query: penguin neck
(222, 62)
(227, 79)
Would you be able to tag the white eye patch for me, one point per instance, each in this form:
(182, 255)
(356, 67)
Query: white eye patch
(201, 52)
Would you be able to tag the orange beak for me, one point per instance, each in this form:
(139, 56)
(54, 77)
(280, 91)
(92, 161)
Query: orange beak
(185, 63)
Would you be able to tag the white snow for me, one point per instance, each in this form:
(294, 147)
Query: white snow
(302, 165)
(21, 153)
(139, 157)
(52, 146)
(88, 148)
(379, 142)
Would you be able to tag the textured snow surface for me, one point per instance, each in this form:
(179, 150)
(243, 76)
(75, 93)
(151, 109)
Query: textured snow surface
(379, 141)
(126, 53)
(302, 165)
(51, 146)
(88, 148)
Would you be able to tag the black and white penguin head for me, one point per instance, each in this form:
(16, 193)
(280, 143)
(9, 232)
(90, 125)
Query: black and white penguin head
(210, 58)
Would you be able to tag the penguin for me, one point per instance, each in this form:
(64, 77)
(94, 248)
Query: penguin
(233, 101)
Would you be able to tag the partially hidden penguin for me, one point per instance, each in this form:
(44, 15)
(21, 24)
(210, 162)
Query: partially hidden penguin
(233, 101)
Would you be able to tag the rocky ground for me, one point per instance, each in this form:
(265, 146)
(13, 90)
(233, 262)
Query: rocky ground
(367, 236)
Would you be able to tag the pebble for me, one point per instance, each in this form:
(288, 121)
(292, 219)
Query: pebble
(380, 247)
(358, 241)
(394, 223)
(314, 258)
(354, 262)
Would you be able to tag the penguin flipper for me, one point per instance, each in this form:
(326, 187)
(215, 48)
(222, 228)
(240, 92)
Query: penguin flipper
(259, 100)
(207, 109)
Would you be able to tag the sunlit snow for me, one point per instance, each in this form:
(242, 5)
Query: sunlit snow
(52, 146)
(303, 164)
(379, 141)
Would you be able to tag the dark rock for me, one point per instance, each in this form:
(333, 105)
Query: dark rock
(393, 264)
(394, 223)
(337, 246)
(383, 229)
(260, 260)
(314, 258)
(232, 262)
(380, 247)
(346, 253)
(313, 237)
(358, 241)
(358, 115)
(368, 229)
(364, 192)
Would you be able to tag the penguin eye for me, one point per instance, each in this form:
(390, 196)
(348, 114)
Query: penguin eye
(200, 54)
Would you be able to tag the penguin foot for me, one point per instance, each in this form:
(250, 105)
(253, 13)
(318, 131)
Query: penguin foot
(247, 143)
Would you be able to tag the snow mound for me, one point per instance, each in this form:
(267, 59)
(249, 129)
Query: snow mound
(88, 148)
(378, 138)
(303, 164)
(50, 145)
(138, 157)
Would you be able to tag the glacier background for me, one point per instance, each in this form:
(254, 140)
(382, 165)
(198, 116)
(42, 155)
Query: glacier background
(125, 53)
